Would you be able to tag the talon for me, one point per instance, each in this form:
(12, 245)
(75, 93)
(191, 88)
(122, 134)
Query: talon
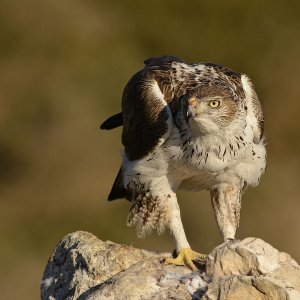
(185, 257)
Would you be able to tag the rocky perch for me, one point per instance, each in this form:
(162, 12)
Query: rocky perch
(86, 268)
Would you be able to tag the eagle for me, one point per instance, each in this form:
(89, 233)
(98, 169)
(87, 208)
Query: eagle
(197, 126)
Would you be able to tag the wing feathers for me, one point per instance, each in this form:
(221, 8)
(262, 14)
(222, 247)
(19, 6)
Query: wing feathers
(255, 112)
(118, 191)
(146, 115)
(113, 122)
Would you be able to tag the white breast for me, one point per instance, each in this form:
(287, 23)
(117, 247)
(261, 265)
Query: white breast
(209, 160)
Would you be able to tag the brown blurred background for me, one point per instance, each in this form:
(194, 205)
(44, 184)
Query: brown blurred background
(63, 66)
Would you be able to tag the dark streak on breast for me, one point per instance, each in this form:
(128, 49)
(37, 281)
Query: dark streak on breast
(184, 143)
(193, 151)
(206, 157)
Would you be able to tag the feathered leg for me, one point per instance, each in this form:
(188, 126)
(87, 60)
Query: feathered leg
(226, 201)
(155, 207)
(175, 224)
(185, 254)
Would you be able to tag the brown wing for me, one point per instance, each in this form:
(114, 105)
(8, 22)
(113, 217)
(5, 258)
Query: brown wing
(146, 116)
(112, 122)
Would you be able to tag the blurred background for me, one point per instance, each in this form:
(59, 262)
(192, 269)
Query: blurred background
(63, 66)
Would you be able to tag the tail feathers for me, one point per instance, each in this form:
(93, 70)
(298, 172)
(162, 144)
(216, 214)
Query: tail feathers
(113, 122)
(118, 191)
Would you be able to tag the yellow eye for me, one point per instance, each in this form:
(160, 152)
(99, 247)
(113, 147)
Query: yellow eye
(214, 103)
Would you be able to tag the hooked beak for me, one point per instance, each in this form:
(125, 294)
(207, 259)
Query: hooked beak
(191, 112)
(195, 108)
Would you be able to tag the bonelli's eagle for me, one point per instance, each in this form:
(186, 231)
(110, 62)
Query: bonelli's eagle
(191, 126)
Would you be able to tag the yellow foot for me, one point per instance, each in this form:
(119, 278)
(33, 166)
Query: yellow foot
(185, 258)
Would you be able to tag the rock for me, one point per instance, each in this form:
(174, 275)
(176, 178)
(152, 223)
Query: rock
(83, 267)
(255, 267)
(86, 268)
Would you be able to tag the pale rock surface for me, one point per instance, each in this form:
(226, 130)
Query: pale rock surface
(86, 268)
(254, 266)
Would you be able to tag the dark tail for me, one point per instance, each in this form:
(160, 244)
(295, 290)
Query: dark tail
(113, 122)
(117, 190)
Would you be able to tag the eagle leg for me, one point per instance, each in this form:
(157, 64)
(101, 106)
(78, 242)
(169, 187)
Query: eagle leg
(226, 201)
(185, 257)
(185, 254)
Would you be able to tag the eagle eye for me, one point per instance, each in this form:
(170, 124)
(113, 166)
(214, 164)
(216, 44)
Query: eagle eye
(214, 103)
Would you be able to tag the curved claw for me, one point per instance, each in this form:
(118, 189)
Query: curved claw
(185, 257)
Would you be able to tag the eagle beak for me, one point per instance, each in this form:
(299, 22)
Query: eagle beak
(190, 112)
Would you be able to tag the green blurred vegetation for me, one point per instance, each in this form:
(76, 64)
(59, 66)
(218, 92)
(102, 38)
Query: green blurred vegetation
(63, 66)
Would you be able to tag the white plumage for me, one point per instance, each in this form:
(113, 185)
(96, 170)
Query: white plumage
(189, 126)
